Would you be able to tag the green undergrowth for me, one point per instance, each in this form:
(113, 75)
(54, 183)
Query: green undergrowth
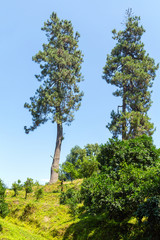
(48, 219)
(100, 227)
(45, 217)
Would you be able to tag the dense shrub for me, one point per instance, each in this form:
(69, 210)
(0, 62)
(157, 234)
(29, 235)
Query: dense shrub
(148, 214)
(28, 186)
(151, 210)
(119, 193)
(71, 197)
(39, 193)
(81, 163)
(139, 151)
(88, 166)
(3, 205)
(2, 189)
(72, 194)
(3, 208)
(16, 186)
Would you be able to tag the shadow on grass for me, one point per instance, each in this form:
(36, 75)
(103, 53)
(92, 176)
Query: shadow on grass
(101, 228)
(96, 228)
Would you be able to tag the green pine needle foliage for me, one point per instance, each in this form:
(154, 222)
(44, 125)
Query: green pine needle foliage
(58, 95)
(132, 71)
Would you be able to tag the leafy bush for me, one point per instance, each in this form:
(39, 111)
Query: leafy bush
(119, 193)
(3, 205)
(88, 166)
(150, 209)
(70, 170)
(71, 194)
(2, 190)
(71, 197)
(139, 152)
(28, 186)
(83, 168)
(81, 163)
(39, 193)
(16, 186)
(3, 208)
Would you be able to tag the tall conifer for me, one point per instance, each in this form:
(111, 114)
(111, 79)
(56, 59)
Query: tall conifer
(132, 71)
(58, 95)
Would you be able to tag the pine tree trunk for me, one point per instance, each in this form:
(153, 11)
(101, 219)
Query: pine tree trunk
(124, 119)
(56, 158)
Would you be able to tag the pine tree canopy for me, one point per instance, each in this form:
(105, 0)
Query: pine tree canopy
(132, 71)
(59, 95)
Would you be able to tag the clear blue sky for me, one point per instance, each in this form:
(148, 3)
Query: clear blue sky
(22, 155)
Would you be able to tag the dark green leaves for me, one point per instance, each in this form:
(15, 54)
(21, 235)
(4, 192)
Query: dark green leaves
(3, 205)
(139, 152)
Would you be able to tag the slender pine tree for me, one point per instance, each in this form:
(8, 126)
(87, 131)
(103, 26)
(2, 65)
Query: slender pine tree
(132, 71)
(58, 95)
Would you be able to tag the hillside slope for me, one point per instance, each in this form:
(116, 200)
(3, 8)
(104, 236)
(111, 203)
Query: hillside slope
(32, 219)
(46, 218)
(11, 231)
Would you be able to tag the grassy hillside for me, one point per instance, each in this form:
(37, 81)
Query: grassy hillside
(48, 219)
(12, 231)
(32, 219)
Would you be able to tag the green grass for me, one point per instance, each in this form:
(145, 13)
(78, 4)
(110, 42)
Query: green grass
(11, 231)
(47, 219)
(42, 219)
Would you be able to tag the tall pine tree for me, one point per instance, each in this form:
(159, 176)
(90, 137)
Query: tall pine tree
(132, 71)
(58, 95)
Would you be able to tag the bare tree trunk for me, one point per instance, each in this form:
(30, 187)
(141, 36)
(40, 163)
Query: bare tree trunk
(56, 158)
(124, 119)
